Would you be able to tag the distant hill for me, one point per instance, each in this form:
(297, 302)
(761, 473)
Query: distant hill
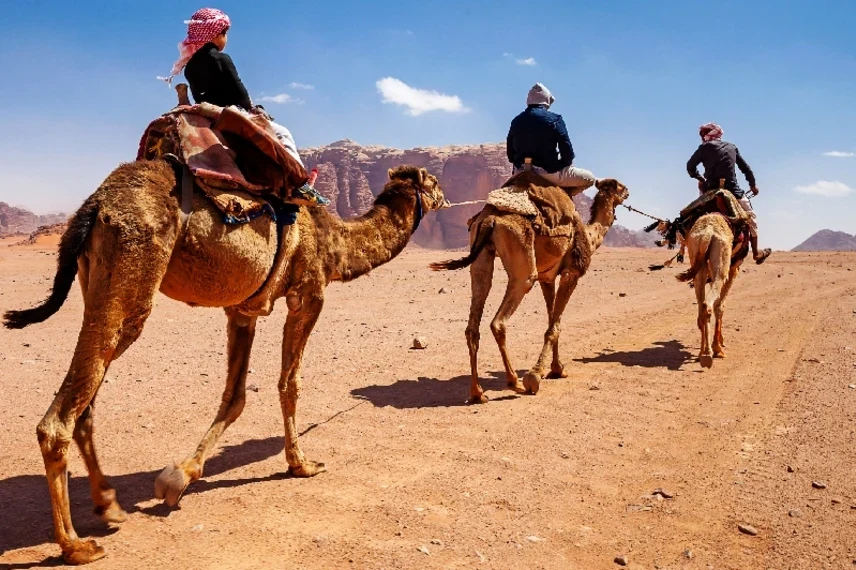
(828, 240)
(20, 221)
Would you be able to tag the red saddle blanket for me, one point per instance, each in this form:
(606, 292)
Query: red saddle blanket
(224, 148)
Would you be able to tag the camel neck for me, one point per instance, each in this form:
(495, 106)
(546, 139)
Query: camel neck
(354, 247)
(602, 218)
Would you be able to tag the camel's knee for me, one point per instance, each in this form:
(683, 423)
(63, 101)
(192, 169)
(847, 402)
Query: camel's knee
(498, 329)
(54, 439)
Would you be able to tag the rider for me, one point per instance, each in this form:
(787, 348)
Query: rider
(213, 78)
(719, 158)
(536, 133)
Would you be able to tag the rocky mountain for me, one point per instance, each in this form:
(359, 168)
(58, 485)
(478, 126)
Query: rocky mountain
(20, 221)
(828, 240)
(351, 175)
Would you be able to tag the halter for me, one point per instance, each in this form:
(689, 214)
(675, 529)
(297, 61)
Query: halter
(420, 213)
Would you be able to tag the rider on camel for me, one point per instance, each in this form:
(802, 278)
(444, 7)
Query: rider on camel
(540, 135)
(213, 79)
(719, 158)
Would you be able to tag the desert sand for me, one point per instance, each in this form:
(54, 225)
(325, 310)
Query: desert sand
(417, 479)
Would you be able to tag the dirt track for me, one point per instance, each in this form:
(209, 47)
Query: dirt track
(559, 480)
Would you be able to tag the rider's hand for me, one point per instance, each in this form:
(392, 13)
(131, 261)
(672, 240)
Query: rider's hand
(754, 190)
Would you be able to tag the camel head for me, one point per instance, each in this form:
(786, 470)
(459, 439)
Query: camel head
(613, 189)
(423, 182)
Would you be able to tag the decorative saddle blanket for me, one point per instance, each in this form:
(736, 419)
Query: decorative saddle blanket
(235, 157)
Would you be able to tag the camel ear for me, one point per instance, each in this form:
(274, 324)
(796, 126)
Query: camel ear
(423, 174)
(390, 172)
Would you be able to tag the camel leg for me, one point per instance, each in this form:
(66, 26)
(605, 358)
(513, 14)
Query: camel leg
(118, 300)
(173, 480)
(102, 492)
(719, 311)
(704, 312)
(518, 285)
(532, 380)
(302, 316)
(481, 277)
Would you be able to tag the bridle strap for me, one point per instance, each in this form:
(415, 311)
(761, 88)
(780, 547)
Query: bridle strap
(420, 213)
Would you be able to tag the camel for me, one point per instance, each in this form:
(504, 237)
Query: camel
(529, 258)
(128, 240)
(711, 259)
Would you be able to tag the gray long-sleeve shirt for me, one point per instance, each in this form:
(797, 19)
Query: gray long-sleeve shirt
(719, 158)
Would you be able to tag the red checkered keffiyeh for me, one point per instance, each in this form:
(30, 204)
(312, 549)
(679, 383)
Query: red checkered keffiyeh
(205, 25)
(710, 132)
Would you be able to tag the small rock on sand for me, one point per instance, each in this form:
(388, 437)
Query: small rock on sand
(747, 529)
(663, 493)
(420, 343)
(791, 469)
(818, 484)
(424, 550)
(444, 291)
(794, 513)
(621, 560)
(253, 388)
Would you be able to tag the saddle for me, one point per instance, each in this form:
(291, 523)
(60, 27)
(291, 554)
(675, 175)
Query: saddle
(549, 207)
(233, 157)
(723, 203)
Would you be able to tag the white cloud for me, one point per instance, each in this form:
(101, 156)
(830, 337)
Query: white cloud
(296, 85)
(417, 101)
(281, 99)
(833, 189)
(840, 154)
(527, 61)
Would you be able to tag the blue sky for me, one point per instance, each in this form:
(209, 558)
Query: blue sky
(633, 80)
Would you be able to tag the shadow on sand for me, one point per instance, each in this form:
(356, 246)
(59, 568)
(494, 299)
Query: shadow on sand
(25, 509)
(669, 354)
(427, 392)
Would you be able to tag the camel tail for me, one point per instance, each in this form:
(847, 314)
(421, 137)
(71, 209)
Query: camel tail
(482, 236)
(70, 247)
(698, 262)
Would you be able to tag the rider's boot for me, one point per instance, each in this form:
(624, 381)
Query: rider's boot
(759, 256)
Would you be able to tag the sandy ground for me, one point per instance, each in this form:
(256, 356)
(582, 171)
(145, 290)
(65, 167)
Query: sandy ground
(417, 479)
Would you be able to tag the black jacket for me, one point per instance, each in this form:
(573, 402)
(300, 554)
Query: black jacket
(719, 158)
(535, 133)
(213, 79)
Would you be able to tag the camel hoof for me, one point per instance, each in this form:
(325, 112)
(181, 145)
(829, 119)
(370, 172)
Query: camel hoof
(478, 399)
(517, 387)
(112, 514)
(532, 383)
(171, 484)
(719, 354)
(556, 375)
(83, 552)
(706, 360)
(308, 469)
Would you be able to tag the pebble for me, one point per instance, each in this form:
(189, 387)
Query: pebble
(622, 294)
(198, 528)
(253, 388)
(437, 542)
(688, 554)
(420, 343)
(424, 550)
(747, 529)
(852, 386)
(663, 493)
(818, 484)
(564, 455)
(251, 371)
(791, 469)
(621, 560)
(594, 387)
(535, 539)
(444, 291)
(836, 501)
(796, 513)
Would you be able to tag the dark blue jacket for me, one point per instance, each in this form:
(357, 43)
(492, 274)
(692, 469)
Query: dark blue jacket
(536, 133)
(719, 158)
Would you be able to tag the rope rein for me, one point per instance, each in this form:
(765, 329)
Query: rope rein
(632, 209)
(467, 203)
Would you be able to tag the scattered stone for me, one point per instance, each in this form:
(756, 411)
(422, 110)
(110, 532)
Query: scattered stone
(836, 501)
(148, 426)
(419, 509)
(622, 294)
(444, 291)
(420, 343)
(852, 386)
(639, 508)
(534, 538)
(791, 469)
(198, 528)
(251, 371)
(253, 388)
(594, 387)
(399, 533)
(621, 560)
(688, 554)
(564, 455)
(795, 514)
(437, 542)
(480, 556)
(818, 484)
(781, 350)
(424, 550)
(747, 529)
(663, 493)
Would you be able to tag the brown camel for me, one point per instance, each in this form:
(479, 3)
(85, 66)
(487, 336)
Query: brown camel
(529, 258)
(711, 259)
(128, 241)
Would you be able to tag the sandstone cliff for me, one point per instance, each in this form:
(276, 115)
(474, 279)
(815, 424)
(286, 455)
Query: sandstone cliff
(20, 221)
(351, 175)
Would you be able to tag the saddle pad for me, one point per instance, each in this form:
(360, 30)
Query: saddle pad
(514, 199)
